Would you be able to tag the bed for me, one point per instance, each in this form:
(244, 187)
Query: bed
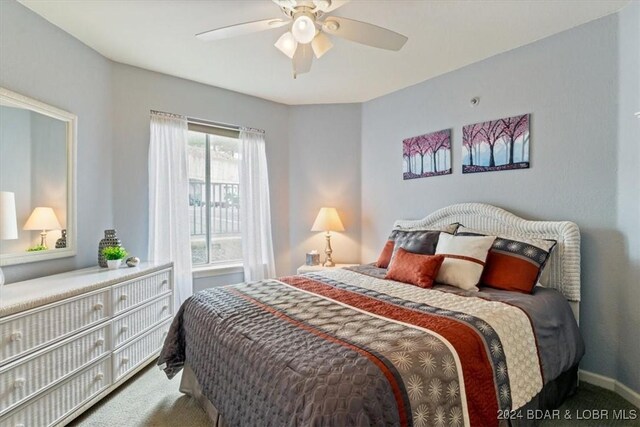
(346, 347)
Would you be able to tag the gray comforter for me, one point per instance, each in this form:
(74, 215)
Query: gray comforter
(345, 347)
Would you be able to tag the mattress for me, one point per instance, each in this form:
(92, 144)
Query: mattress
(346, 347)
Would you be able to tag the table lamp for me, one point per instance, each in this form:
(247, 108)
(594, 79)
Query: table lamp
(328, 220)
(42, 218)
(8, 223)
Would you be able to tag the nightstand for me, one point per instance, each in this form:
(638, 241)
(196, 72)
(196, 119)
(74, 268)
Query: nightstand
(320, 267)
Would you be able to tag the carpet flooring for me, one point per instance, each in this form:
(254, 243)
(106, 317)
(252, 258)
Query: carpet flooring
(150, 399)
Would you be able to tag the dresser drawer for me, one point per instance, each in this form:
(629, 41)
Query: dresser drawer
(131, 324)
(33, 329)
(60, 401)
(31, 374)
(130, 356)
(140, 290)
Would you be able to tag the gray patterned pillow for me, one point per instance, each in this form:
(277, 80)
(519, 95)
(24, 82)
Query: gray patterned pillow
(418, 241)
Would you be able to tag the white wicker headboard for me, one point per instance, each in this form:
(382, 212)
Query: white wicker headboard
(564, 265)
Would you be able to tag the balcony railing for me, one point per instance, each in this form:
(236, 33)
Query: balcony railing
(224, 205)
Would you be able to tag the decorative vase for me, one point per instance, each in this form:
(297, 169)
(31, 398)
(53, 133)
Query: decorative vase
(112, 264)
(62, 241)
(133, 261)
(110, 239)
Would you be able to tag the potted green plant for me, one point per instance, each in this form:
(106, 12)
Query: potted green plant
(114, 256)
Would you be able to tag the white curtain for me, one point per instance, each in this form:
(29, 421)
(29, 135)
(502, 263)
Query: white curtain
(169, 199)
(255, 211)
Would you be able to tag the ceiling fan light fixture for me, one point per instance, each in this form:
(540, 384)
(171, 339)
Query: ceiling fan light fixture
(287, 44)
(321, 45)
(303, 28)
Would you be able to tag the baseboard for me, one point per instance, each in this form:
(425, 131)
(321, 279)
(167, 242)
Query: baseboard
(611, 384)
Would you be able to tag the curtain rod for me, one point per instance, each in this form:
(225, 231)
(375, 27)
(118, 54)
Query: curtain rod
(164, 113)
(212, 123)
(254, 130)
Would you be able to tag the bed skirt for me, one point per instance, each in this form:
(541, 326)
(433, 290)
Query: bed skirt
(189, 385)
(550, 397)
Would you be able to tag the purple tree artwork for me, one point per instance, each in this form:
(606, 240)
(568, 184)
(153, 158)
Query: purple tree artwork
(496, 145)
(427, 155)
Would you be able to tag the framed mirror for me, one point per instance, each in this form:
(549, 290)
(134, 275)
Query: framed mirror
(37, 180)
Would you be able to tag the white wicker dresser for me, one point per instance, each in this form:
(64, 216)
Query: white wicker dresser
(69, 339)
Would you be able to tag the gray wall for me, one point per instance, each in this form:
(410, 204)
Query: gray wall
(135, 93)
(569, 83)
(629, 194)
(324, 165)
(43, 62)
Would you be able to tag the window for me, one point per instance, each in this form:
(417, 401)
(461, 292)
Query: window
(214, 190)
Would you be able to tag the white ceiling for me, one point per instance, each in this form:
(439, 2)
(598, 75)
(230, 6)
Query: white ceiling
(443, 35)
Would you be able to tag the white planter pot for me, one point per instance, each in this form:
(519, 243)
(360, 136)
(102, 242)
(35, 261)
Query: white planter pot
(114, 263)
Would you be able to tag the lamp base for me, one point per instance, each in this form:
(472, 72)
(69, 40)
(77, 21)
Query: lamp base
(43, 239)
(328, 262)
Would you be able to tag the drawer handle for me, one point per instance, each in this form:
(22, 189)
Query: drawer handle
(164, 282)
(19, 383)
(124, 328)
(99, 376)
(123, 297)
(16, 336)
(99, 306)
(124, 360)
(100, 342)
(164, 307)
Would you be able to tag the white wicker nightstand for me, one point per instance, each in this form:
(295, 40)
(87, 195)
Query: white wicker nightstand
(309, 268)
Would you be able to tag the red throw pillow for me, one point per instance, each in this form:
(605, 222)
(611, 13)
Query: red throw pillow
(514, 264)
(385, 256)
(415, 269)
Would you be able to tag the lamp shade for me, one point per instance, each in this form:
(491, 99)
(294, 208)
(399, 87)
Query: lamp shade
(327, 220)
(321, 44)
(287, 44)
(42, 218)
(8, 223)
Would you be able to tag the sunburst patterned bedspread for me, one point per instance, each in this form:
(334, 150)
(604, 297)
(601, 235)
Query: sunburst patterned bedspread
(343, 347)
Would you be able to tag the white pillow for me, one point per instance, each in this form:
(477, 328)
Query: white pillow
(464, 259)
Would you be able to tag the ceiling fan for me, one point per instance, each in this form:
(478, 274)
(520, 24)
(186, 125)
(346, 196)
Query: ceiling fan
(308, 22)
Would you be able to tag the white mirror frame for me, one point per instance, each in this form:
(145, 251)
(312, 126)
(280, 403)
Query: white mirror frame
(13, 99)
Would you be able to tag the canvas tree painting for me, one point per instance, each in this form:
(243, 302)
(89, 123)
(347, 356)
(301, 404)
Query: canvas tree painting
(427, 155)
(496, 145)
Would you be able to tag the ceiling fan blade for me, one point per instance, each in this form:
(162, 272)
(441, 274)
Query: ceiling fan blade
(364, 33)
(242, 29)
(302, 59)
